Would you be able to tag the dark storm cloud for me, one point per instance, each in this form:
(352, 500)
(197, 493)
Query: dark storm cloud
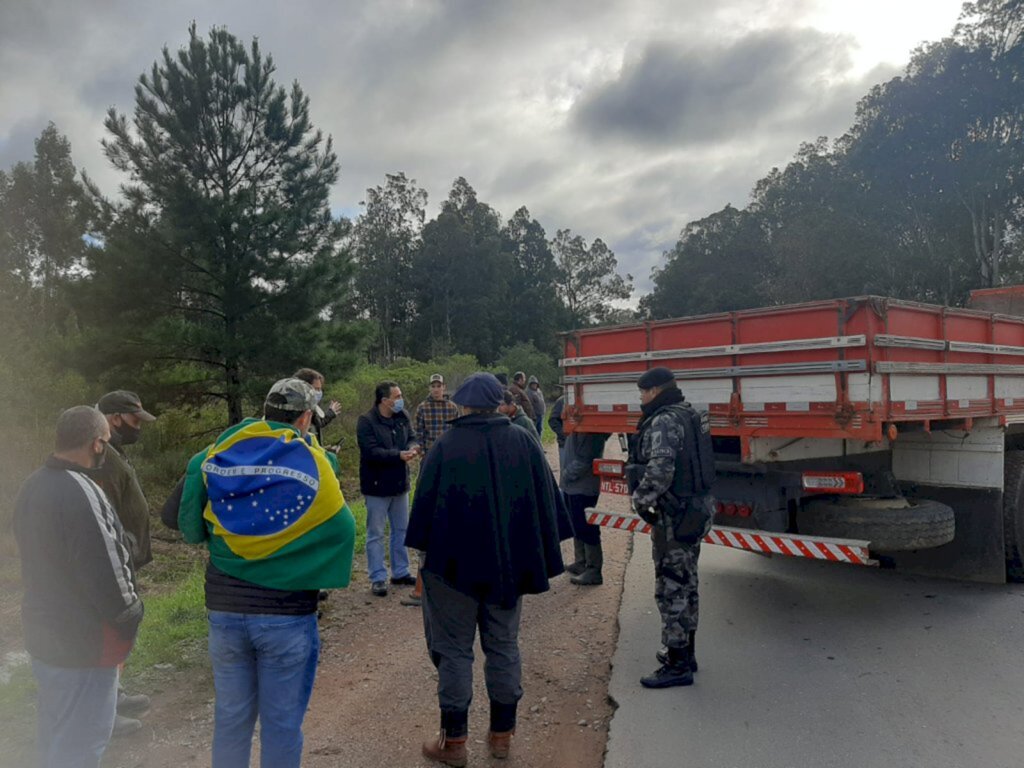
(681, 92)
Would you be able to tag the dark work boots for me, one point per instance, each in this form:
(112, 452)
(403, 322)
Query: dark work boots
(580, 564)
(662, 655)
(676, 671)
(591, 576)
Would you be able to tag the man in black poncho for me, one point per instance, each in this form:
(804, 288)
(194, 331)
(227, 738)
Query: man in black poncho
(486, 515)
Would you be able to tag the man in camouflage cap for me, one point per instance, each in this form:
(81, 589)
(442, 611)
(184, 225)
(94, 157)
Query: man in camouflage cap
(266, 501)
(679, 518)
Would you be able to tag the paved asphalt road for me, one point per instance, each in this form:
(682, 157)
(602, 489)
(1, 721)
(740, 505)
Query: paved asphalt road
(806, 665)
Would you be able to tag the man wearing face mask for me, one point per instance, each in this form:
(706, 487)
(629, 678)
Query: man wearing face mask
(322, 415)
(387, 444)
(116, 476)
(81, 607)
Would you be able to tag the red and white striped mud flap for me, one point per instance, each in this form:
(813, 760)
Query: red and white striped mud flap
(791, 545)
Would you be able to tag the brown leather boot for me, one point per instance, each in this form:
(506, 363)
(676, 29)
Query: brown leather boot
(500, 743)
(448, 751)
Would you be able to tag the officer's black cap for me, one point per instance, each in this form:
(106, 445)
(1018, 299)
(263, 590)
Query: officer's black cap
(656, 377)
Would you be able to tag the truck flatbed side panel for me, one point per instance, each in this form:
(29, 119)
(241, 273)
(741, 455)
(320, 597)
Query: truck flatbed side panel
(841, 368)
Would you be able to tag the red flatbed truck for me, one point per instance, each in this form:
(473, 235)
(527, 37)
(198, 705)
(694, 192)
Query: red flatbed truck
(862, 430)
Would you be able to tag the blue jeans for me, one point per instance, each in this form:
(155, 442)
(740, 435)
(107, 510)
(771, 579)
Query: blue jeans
(263, 665)
(394, 509)
(76, 714)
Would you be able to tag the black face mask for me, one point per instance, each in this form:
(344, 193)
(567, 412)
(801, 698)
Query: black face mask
(127, 434)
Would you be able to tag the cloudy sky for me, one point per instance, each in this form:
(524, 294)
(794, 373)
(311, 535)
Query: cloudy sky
(618, 119)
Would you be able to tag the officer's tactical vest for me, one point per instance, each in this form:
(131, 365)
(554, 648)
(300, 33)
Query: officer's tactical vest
(695, 462)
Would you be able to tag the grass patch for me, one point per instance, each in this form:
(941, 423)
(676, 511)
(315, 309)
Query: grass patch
(359, 513)
(174, 628)
(18, 714)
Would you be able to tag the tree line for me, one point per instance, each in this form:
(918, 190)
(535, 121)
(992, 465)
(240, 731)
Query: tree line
(220, 264)
(922, 198)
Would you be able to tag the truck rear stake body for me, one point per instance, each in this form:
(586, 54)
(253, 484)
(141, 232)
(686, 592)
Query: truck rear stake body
(875, 422)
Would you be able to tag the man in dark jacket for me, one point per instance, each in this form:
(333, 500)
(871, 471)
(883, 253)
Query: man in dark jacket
(537, 402)
(518, 390)
(582, 488)
(557, 426)
(81, 608)
(486, 515)
(515, 414)
(386, 446)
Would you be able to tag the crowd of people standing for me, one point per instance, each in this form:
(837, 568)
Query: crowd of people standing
(486, 520)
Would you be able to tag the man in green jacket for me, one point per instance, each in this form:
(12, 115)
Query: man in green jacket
(116, 476)
(265, 499)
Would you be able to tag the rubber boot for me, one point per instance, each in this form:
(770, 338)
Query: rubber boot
(592, 575)
(580, 565)
(503, 727)
(662, 655)
(675, 672)
(450, 746)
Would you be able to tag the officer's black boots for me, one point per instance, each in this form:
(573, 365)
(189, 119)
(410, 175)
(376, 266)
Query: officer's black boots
(662, 655)
(676, 671)
(580, 565)
(591, 576)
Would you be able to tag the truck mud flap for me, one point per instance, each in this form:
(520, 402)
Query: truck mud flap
(976, 553)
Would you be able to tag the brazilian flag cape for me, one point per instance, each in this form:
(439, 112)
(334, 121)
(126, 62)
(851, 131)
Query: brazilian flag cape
(268, 502)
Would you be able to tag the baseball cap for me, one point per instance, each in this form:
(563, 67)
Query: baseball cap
(436, 377)
(123, 401)
(297, 394)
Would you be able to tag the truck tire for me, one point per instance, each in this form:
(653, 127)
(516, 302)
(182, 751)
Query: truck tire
(889, 525)
(1013, 515)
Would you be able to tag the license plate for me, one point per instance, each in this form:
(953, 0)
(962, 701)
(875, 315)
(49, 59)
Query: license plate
(614, 486)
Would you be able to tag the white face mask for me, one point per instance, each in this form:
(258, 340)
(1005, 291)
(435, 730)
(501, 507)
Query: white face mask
(398, 405)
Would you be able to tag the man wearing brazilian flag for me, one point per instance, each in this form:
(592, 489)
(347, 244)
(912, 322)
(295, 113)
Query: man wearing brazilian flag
(265, 499)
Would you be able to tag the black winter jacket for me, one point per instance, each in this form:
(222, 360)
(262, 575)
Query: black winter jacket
(81, 607)
(381, 470)
(486, 511)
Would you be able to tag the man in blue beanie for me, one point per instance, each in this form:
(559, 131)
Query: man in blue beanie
(486, 515)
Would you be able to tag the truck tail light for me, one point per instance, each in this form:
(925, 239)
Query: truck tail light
(743, 510)
(833, 482)
(609, 468)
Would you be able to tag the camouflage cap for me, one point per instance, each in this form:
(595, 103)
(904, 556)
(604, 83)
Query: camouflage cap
(294, 395)
(123, 401)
